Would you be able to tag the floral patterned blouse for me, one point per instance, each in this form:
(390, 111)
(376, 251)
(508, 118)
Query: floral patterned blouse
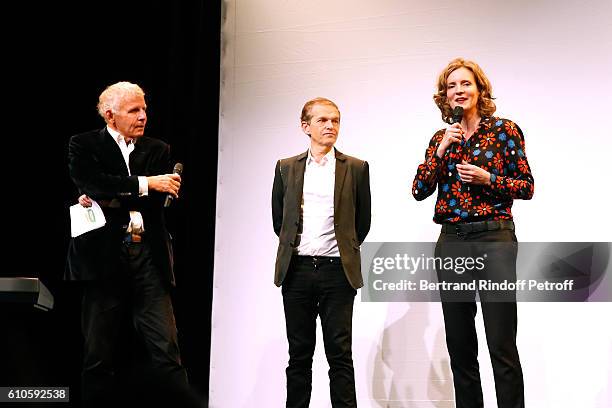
(497, 146)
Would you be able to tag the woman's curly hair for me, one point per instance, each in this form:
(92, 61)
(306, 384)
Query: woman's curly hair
(485, 105)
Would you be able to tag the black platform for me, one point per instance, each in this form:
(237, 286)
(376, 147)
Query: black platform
(26, 291)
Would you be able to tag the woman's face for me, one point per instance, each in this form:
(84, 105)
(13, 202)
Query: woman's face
(461, 90)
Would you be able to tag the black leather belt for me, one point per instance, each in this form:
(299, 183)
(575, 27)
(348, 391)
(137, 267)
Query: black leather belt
(317, 260)
(480, 226)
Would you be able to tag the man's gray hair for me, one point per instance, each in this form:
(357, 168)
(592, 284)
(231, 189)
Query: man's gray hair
(111, 97)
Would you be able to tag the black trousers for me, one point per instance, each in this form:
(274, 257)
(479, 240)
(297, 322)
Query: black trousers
(140, 296)
(499, 315)
(319, 287)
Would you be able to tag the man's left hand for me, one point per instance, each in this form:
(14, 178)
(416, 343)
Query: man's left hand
(85, 201)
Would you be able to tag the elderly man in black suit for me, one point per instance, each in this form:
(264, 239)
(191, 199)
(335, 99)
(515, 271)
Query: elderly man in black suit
(321, 213)
(127, 265)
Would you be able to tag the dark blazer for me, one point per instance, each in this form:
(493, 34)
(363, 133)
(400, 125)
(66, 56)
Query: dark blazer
(98, 170)
(351, 211)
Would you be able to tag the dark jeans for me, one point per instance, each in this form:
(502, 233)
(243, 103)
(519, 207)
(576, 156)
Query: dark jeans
(498, 312)
(314, 288)
(141, 296)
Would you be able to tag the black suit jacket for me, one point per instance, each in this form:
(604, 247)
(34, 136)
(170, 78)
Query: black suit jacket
(351, 211)
(98, 170)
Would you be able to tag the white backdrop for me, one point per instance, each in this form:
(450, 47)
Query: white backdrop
(550, 64)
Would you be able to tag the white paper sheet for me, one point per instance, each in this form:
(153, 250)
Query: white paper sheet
(85, 219)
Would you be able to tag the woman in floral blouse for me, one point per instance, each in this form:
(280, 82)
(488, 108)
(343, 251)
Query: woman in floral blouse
(479, 166)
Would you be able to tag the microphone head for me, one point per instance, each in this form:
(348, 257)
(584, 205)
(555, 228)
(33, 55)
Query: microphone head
(457, 114)
(178, 169)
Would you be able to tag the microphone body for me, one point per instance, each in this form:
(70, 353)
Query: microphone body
(178, 169)
(457, 117)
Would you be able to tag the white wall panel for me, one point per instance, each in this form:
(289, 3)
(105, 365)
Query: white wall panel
(549, 62)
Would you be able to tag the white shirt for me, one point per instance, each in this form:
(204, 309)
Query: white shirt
(136, 222)
(318, 237)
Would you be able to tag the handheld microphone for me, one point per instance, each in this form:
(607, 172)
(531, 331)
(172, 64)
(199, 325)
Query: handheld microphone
(457, 114)
(456, 118)
(178, 169)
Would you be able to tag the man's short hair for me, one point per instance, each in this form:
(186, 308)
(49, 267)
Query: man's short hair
(111, 97)
(307, 109)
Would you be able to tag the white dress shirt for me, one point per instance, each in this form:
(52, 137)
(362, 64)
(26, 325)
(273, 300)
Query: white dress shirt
(318, 237)
(136, 222)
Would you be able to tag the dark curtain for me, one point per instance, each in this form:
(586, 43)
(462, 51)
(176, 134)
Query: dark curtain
(58, 58)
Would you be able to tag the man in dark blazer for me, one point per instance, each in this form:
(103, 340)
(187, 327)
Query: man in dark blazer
(321, 214)
(127, 265)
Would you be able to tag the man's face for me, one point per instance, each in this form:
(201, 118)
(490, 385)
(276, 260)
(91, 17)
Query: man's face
(131, 118)
(324, 125)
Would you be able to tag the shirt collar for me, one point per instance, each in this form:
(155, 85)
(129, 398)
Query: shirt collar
(330, 157)
(117, 136)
